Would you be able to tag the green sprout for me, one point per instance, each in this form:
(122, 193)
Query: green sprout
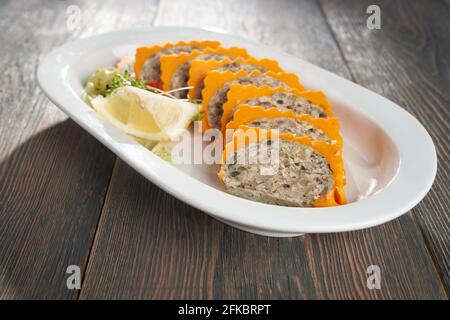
(124, 79)
(198, 116)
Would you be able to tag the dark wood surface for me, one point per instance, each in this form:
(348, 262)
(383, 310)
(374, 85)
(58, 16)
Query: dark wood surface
(65, 199)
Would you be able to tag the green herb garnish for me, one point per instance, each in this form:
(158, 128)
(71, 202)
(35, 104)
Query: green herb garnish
(198, 116)
(124, 79)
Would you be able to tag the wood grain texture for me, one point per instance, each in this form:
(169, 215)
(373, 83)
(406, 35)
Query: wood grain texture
(52, 188)
(53, 175)
(407, 61)
(150, 245)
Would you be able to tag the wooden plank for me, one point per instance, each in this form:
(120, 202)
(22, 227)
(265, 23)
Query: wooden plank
(53, 176)
(52, 188)
(407, 61)
(150, 245)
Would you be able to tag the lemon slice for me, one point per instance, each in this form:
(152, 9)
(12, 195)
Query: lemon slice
(145, 114)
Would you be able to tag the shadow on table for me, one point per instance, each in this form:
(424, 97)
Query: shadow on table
(150, 245)
(52, 188)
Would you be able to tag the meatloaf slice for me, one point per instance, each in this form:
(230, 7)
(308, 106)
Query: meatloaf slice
(288, 101)
(181, 75)
(302, 175)
(290, 125)
(151, 70)
(215, 106)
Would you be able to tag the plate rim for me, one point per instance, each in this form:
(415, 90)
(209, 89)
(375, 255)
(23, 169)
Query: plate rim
(289, 220)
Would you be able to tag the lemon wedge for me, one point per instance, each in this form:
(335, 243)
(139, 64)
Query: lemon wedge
(145, 114)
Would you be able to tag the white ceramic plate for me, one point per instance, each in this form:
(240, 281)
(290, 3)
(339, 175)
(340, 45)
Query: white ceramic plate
(390, 158)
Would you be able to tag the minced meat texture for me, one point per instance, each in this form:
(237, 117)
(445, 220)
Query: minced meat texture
(151, 70)
(236, 66)
(215, 106)
(181, 75)
(290, 125)
(288, 101)
(299, 177)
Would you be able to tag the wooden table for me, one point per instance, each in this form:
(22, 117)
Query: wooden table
(66, 200)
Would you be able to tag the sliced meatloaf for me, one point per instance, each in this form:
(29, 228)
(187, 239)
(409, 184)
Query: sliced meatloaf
(236, 66)
(288, 101)
(290, 125)
(300, 177)
(151, 70)
(181, 75)
(215, 106)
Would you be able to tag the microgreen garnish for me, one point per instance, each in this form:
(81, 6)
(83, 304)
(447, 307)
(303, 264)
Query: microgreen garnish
(198, 116)
(124, 79)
